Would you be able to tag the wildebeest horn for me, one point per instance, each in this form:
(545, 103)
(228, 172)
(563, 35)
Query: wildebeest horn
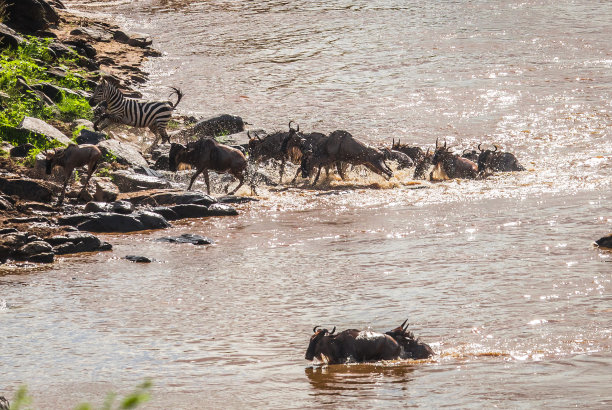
(467, 149)
(436, 143)
(479, 149)
(393, 143)
(495, 148)
(427, 153)
(297, 129)
(333, 330)
(444, 143)
(402, 325)
(314, 329)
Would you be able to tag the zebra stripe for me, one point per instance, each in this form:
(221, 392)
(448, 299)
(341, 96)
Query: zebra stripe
(121, 109)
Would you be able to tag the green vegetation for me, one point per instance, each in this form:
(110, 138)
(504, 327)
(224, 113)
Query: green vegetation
(109, 156)
(139, 396)
(30, 63)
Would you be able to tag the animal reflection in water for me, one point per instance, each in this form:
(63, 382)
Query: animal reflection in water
(357, 376)
(354, 345)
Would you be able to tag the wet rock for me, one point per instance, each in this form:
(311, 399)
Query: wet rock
(97, 207)
(187, 238)
(5, 204)
(36, 207)
(125, 153)
(191, 211)
(605, 242)
(29, 16)
(106, 191)
(138, 259)
(128, 181)
(166, 212)
(9, 37)
(29, 220)
(22, 150)
(224, 124)
(174, 197)
(36, 251)
(147, 171)
(113, 222)
(27, 189)
(122, 207)
(90, 137)
(76, 243)
(95, 33)
(232, 199)
(132, 39)
(222, 210)
(4, 231)
(38, 126)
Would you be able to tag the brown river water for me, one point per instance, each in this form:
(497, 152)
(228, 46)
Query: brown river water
(499, 276)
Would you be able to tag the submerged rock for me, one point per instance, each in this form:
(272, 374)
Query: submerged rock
(605, 242)
(187, 238)
(138, 259)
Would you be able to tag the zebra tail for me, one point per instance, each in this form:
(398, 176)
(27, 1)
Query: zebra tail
(179, 94)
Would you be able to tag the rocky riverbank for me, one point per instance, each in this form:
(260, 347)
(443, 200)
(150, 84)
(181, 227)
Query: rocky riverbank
(51, 61)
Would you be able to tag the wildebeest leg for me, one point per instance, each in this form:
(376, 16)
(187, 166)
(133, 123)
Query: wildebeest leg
(91, 167)
(193, 178)
(61, 198)
(296, 175)
(240, 180)
(282, 170)
(317, 177)
(207, 180)
(340, 171)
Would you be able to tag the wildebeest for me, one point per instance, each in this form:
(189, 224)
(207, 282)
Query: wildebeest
(471, 154)
(420, 170)
(351, 345)
(207, 154)
(453, 165)
(341, 146)
(415, 153)
(72, 157)
(412, 348)
(498, 161)
(403, 160)
(271, 148)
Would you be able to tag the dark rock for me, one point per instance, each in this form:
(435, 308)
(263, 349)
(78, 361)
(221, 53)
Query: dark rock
(166, 212)
(191, 211)
(22, 150)
(113, 222)
(88, 63)
(126, 154)
(95, 33)
(30, 16)
(97, 207)
(28, 189)
(140, 40)
(60, 50)
(106, 191)
(174, 197)
(82, 47)
(162, 163)
(122, 207)
(29, 220)
(38, 126)
(9, 37)
(187, 238)
(5, 205)
(127, 181)
(121, 36)
(138, 259)
(605, 242)
(147, 171)
(8, 230)
(232, 199)
(55, 93)
(35, 251)
(222, 125)
(90, 137)
(222, 210)
(76, 243)
(36, 207)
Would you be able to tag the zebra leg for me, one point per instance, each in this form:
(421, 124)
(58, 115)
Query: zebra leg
(164, 135)
(99, 120)
(193, 178)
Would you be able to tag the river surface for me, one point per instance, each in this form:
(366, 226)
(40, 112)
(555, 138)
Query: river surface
(499, 275)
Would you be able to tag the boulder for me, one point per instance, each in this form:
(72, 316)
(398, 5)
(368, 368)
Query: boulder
(132, 39)
(6, 204)
(187, 238)
(166, 212)
(605, 242)
(173, 198)
(9, 37)
(94, 33)
(97, 207)
(122, 207)
(128, 181)
(222, 210)
(59, 49)
(106, 191)
(138, 259)
(90, 137)
(125, 153)
(38, 126)
(30, 15)
(147, 171)
(36, 251)
(55, 93)
(22, 150)
(224, 124)
(76, 242)
(82, 47)
(190, 211)
(28, 189)
(113, 222)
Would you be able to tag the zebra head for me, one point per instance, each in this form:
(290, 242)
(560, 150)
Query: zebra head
(102, 92)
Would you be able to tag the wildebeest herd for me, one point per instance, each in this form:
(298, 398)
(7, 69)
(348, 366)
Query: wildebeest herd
(312, 152)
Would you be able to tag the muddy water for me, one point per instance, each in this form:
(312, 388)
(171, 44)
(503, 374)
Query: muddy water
(498, 276)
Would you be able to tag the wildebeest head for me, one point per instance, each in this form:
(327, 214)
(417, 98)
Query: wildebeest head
(471, 154)
(412, 347)
(174, 158)
(498, 161)
(440, 154)
(52, 159)
(422, 166)
(416, 154)
(320, 344)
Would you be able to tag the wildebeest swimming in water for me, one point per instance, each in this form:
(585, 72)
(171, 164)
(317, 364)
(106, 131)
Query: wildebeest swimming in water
(365, 346)
(270, 148)
(341, 146)
(72, 157)
(420, 170)
(453, 165)
(416, 154)
(498, 161)
(207, 154)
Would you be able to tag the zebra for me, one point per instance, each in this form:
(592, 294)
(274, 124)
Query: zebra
(120, 109)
